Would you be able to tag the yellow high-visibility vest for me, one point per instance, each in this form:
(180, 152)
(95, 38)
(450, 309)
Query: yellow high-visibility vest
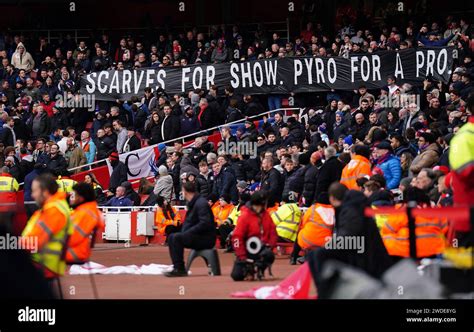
(8, 184)
(287, 220)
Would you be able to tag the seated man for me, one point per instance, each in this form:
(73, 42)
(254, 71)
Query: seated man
(119, 199)
(287, 218)
(221, 212)
(254, 224)
(86, 218)
(198, 231)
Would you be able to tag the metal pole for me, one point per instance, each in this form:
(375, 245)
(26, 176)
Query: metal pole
(411, 229)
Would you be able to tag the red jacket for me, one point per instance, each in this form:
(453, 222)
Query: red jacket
(248, 225)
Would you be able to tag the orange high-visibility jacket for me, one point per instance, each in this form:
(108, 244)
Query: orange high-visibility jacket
(50, 226)
(85, 218)
(317, 226)
(358, 167)
(429, 235)
(221, 213)
(273, 208)
(161, 221)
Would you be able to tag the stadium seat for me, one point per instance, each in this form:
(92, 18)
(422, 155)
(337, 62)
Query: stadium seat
(211, 258)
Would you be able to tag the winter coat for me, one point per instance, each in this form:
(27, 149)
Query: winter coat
(188, 125)
(187, 166)
(118, 176)
(426, 159)
(22, 61)
(392, 171)
(225, 183)
(272, 184)
(40, 126)
(248, 225)
(200, 220)
(164, 187)
(57, 165)
(168, 128)
(328, 173)
(310, 176)
(204, 185)
(105, 145)
(8, 137)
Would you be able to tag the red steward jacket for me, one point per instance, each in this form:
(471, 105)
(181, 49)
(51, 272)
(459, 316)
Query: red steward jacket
(248, 225)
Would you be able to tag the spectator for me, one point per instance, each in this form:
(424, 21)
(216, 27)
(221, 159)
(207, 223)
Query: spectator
(122, 135)
(130, 193)
(133, 142)
(87, 145)
(56, 163)
(329, 172)
(105, 145)
(429, 153)
(40, 123)
(8, 136)
(74, 155)
(169, 126)
(164, 186)
(119, 200)
(224, 182)
(270, 182)
(388, 164)
(119, 173)
(22, 59)
(189, 123)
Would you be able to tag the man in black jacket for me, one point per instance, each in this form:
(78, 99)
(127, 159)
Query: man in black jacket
(56, 163)
(351, 223)
(328, 173)
(105, 145)
(133, 142)
(271, 182)
(198, 230)
(204, 180)
(119, 173)
(169, 125)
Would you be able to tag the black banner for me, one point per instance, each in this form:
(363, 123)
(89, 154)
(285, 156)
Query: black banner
(278, 76)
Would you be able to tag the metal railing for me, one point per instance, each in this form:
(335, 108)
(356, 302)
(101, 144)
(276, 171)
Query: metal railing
(205, 131)
(122, 209)
(281, 27)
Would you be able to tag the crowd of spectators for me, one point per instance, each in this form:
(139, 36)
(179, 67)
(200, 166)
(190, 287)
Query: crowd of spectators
(405, 143)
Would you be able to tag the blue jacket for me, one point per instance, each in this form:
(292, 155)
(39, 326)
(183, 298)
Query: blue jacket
(392, 171)
(122, 201)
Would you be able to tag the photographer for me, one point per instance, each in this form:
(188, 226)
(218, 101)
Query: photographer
(254, 224)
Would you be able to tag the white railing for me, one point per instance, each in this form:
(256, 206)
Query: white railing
(106, 209)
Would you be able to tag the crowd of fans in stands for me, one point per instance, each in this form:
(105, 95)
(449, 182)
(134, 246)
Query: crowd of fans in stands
(406, 144)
